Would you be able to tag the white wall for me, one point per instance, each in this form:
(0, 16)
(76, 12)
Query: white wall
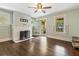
(5, 22)
(72, 20)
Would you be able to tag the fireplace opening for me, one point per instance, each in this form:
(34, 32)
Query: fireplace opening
(24, 35)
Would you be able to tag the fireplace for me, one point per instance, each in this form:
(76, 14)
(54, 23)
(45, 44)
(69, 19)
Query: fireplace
(24, 35)
(21, 33)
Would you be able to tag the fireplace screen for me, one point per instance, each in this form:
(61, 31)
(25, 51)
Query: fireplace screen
(24, 35)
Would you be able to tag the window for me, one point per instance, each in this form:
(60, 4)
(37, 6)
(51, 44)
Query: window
(60, 24)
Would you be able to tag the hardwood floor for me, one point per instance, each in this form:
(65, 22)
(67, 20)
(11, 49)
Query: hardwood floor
(39, 46)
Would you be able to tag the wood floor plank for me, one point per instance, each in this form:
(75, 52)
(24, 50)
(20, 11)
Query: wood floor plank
(38, 46)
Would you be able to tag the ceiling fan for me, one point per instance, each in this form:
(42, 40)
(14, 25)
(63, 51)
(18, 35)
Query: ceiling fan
(40, 6)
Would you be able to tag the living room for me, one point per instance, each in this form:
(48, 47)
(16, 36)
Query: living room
(39, 29)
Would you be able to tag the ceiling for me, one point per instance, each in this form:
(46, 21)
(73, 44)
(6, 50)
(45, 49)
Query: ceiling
(23, 7)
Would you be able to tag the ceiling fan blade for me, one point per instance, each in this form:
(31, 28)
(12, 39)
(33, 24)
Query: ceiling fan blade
(43, 11)
(35, 11)
(48, 7)
(32, 7)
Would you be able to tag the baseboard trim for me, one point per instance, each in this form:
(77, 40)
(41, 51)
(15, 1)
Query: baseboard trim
(61, 38)
(4, 39)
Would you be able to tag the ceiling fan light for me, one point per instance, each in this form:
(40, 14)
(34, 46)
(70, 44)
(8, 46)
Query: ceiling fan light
(39, 9)
(39, 6)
